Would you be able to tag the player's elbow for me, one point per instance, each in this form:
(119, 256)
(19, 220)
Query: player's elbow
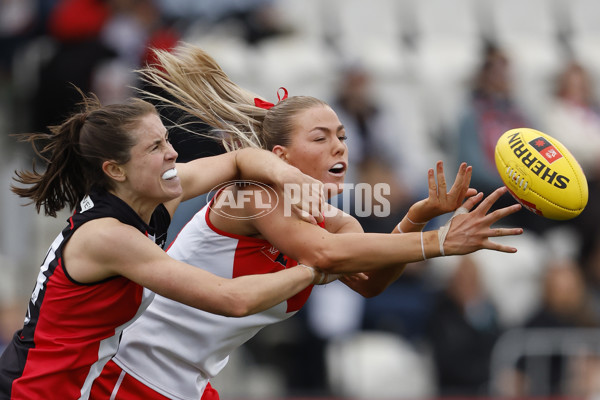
(240, 306)
(240, 310)
(248, 303)
(232, 302)
(371, 291)
(369, 288)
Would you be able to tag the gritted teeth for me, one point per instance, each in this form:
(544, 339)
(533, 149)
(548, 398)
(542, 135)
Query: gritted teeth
(172, 173)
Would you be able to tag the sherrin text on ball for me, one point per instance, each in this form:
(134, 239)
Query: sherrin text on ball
(541, 174)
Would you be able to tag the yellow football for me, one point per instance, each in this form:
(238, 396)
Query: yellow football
(541, 174)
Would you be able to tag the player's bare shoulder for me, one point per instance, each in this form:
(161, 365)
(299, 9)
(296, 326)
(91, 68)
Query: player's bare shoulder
(95, 246)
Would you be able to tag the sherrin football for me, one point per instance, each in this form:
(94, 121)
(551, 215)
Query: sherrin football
(541, 174)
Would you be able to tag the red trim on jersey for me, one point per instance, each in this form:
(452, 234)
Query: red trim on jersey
(228, 234)
(63, 353)
(130, 388)
(249, 261)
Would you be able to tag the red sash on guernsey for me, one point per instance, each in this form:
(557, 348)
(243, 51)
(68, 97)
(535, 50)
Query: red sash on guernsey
(118, 385)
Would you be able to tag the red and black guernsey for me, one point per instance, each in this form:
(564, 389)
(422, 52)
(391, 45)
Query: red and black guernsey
(72, 329)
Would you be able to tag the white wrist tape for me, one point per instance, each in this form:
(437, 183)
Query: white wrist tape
(423, 247)
(443, 231)
(327, 278)
(312, 270)
(413, 222)
(399, 229)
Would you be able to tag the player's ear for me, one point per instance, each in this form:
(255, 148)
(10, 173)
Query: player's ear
(280, 151)
(114, 171)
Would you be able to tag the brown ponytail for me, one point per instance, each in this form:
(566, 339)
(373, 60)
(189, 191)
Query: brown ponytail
(75, 150)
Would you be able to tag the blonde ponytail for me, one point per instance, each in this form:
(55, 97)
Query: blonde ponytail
(197, 85)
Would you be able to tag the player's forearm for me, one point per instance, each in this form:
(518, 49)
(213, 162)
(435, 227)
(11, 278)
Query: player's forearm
(356, 252)
(261, 165)
(256, 293)
(377, 281)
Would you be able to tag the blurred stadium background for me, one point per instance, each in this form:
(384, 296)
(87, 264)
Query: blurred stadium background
(490, 325)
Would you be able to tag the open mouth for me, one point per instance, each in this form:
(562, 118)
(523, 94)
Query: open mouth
(170, 174)
(338, 168)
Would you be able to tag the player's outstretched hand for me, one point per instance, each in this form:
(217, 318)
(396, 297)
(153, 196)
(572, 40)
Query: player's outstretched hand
(471, 229)
(441, 201)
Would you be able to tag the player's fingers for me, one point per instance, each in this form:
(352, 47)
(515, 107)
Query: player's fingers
(312, 201)
(468, 175)
(460, 175)
(311, 211)
(500, 247)
(318, 218)
(308, 217)
(472, 201)
(498, 232)
(320, 207)
(459, 189)
(487, 203)
(441, 180)
(466, 181)
(317, 194)
(458, 185)
(470, 192)
(497, 215)
(431, 183)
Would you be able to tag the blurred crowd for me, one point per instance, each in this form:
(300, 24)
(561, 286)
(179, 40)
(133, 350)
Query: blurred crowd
(413, 81)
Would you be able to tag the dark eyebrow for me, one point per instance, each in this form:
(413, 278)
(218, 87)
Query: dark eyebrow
(154, 143)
